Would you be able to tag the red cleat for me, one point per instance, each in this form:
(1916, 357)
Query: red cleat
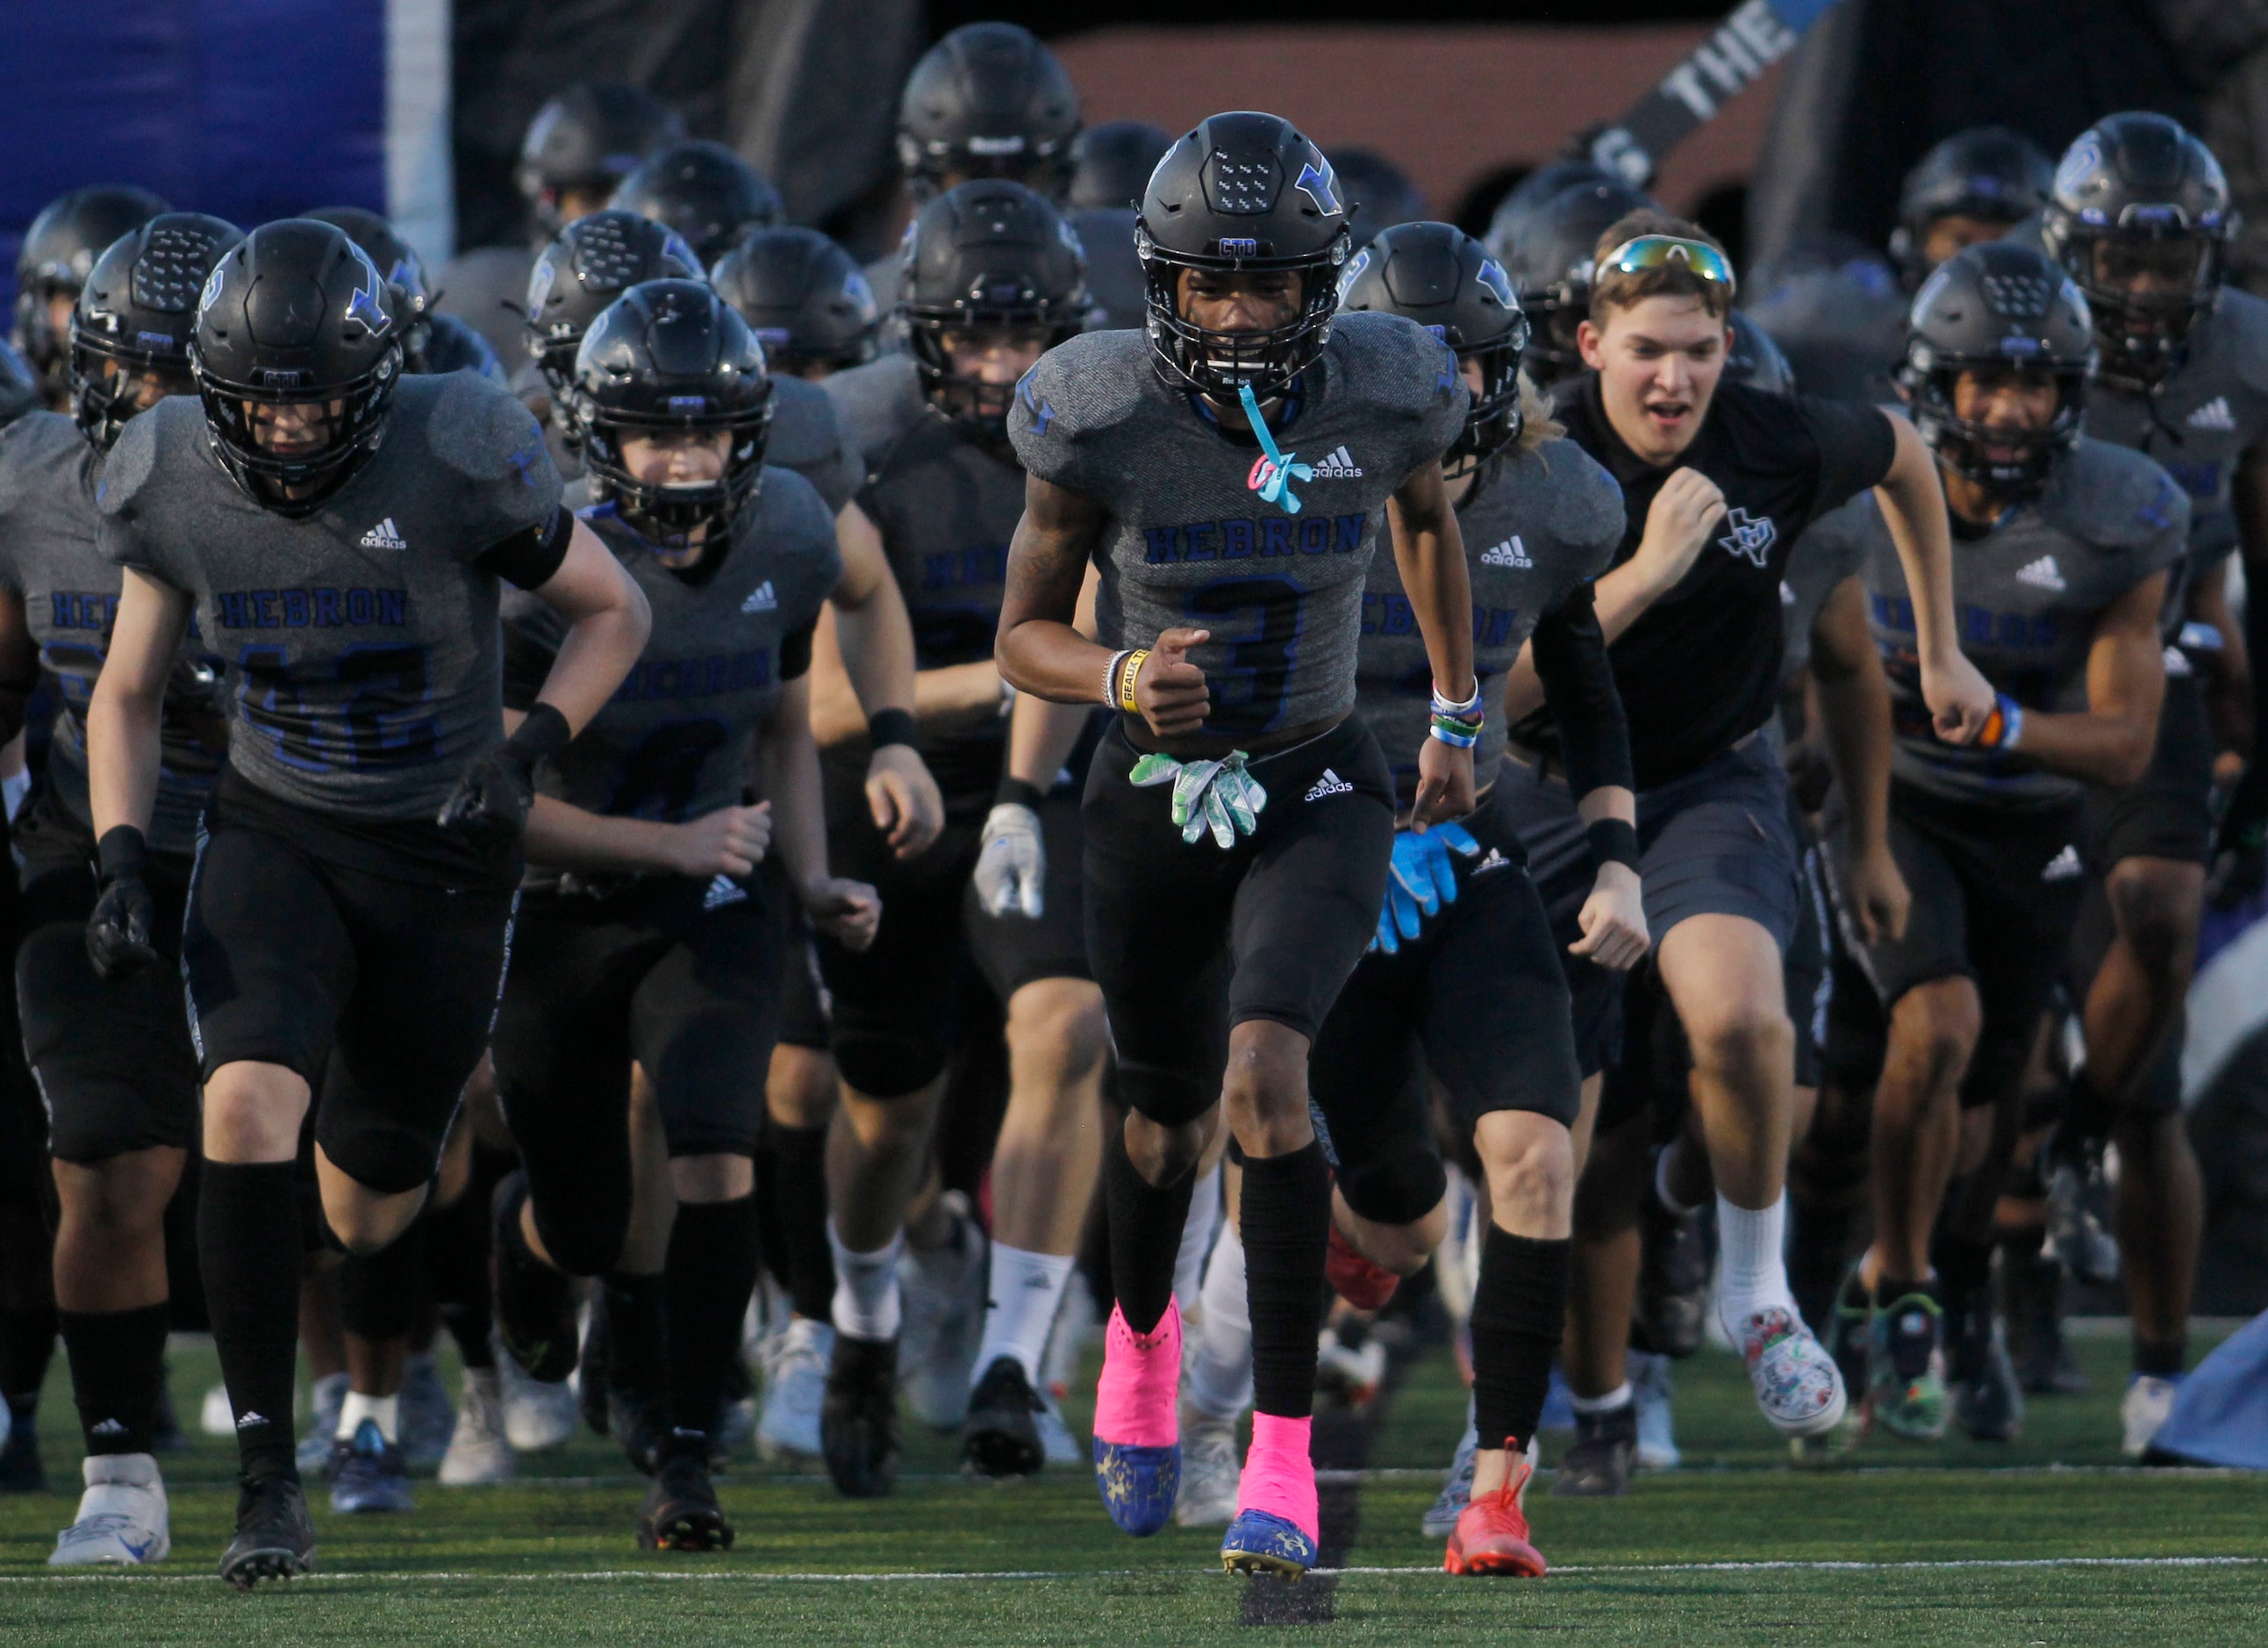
(1491, 1536)
(1366, 1286)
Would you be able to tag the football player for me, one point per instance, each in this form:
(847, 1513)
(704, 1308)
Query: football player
(1976, 185)
(339, 537)
(702, 191)
(1226, 472)
(52, 265)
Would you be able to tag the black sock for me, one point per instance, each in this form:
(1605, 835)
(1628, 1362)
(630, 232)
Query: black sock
(1145, 1235)
(1520, 1310)
(1888, 1289)
(27, 1344)
(1963, 1266)
(794, 1169)
(1286, 1225)
(2160, 1358)
(711, 1271)
(457, 1261)
(379, 1292)
(249, 1245)
(636, 1325)
(117, 1367)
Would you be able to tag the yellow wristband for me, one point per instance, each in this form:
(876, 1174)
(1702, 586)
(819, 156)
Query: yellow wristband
(1127, 673)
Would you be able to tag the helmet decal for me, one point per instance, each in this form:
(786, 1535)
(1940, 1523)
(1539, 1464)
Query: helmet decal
(1492, 276)
(1321, 184)
(2080, 162)
(363, 305)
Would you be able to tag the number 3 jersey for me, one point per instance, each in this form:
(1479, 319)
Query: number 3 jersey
(1207, 530)
(50, 559)
(2027, 594)
(673, 741)
(1538, 524)
(363, 637)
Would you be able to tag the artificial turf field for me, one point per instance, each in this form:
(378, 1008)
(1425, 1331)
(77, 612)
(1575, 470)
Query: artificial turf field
(2046, 1541)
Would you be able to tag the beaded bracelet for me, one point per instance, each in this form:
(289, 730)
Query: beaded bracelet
(1458, 724)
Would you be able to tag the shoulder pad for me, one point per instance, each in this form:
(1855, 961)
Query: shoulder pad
(876, 399)
(126, 471)
(1585, 503)
(1090, 382)
(1843, 534)
(2114, 496)
(481, 430)
(29, 444)
(797, 511)
(2240, 335)
(807, 424)
(1396, 361)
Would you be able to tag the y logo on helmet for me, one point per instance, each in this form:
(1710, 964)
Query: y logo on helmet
(1320, 184)
(364, 305)
(1492, 276)
(2079, 163)
(1750, 539)
(1353, 272)
(212, 286)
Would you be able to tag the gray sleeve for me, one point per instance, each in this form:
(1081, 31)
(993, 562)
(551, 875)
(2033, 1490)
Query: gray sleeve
(1590, 517)
(486, 439)
(1052, 415)
(119, 503)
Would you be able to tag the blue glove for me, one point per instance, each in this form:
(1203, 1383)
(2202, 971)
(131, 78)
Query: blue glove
(1422, 881)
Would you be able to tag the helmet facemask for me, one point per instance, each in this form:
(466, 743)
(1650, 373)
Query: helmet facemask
(1219, 364)
(1493, 422)
(348, 423)
(668, 514)
(2144, 336)
(2013, 463)
(111, 380)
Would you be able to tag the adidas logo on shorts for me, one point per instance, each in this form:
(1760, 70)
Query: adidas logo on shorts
(109, 1427)
(2065, 866)
(1338, 467)
(250, 1420)
(2215, 414)
(1329, 784)
(1494, 861)
(722, 892)
(2043, 575)
(761, 599)
(1511, 552)
(384, 536)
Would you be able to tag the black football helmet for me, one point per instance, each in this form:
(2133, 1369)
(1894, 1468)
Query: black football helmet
(1378, 194)
(405, 275)
(136, 315)
(1998, 306)
(57, 254)
(589, 138)
(1440, 276)
(806, 298)
(1508, 223)
(593, 262)
(296, 314)
(669, 356)
(704, 191)
(2138, 197)
(987, 100)
(986, 254)
(1988, 173)
(1550, 265)
(1111, 163)
(1752, 358)
(1241, 192)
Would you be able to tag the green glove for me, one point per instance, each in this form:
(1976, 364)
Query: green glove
(1220, 795)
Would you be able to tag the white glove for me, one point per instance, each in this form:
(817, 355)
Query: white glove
(1013, 865)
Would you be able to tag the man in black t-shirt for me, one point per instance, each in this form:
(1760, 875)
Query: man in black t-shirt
(1695, 645)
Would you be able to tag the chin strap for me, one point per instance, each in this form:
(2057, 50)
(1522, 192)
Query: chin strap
(1275, 468)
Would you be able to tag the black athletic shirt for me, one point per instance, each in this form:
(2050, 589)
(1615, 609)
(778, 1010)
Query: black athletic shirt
(1699, 670)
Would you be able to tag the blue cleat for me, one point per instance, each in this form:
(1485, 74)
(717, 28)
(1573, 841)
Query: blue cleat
(1138, 1484)
(1259, 1542)
(369, 1474)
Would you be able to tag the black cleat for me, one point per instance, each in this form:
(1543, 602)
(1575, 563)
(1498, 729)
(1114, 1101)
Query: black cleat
(858, 1420)
(1002, 1439)
(534, 1304)
(1598, 1465)
(681, 1512)
(2047, 1367)
(275, 1537)
(633, 1419)
(1988, 1403)
(20, 1470)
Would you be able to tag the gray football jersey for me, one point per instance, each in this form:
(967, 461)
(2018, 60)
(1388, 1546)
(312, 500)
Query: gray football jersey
(363, 637)
(2203, 416)
(880, 400)
(49, 558)
(1819, 562)
(673, 741)
(946, 503)
(1191, 540)
(2026, 595)
(1537, 524)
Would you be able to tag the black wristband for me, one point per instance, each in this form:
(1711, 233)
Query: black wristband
(543, 735)
(1613, 841)
(890, 726)
(1015, 791)
(123, 850)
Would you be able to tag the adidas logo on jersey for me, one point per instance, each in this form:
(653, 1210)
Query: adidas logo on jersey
(724, 890)
(2215, 415)
(1338, 467)
(761, 599)
(1494, 861)
(1329, 784)
(2065, 866)
(1511, 552)
(384, 536)
(2043, 575)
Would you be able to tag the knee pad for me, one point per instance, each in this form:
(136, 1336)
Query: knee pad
(885, 1061)
(1400, 1188)
(1165, 1096)
(588, 1240)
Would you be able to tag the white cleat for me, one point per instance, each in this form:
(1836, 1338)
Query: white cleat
(1210, 1469)
(1650, 1385)
(2149, 1400)
(538, 1414)
(479, 1451)
(122, 1517)
(1057, 1443)
(795, 1388)
(942, 1293)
